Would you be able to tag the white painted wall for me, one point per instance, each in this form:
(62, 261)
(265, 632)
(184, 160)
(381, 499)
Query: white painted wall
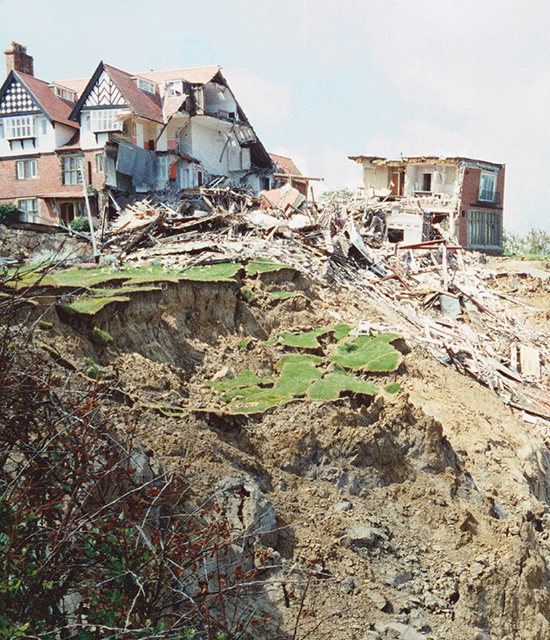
(48, 137)
(205, 139)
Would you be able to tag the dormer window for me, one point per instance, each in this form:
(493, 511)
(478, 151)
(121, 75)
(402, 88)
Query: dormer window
(63, 92)
(174, 88)
(145, 85)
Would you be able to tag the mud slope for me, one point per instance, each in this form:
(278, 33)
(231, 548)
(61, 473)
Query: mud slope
(419, 515)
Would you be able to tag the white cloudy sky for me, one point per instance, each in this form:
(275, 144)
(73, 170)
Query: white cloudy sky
(324, 79)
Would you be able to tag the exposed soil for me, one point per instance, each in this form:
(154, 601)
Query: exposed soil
(419, 515)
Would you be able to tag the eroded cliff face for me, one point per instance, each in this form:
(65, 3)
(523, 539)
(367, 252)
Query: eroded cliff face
(423, 514)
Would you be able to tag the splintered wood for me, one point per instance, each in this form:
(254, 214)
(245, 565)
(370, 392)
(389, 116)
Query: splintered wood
(442, 297)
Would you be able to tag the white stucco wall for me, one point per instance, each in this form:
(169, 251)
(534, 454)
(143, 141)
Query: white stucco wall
(47, 137)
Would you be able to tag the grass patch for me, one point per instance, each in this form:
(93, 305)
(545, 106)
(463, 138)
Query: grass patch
(341, 331)
(330, 387)
(222, 272)
(293, 358)
(263, 265)
(307, 340)
(394, 387)
(282, 295)
(296, 378)
(369, 353)
(91, 306)
(244, 379)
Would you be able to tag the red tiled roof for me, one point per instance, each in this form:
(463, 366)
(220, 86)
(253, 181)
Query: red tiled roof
(286, 165)
(143, 104)
(72, 145)
(56, 108)
(192, 75)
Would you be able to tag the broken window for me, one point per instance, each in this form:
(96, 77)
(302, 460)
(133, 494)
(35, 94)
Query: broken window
(426, 182)
(174, 88)
(487, 187)
(29, 207)
(99, 163)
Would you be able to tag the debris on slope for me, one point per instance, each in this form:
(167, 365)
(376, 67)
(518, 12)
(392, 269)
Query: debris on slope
(442, 298)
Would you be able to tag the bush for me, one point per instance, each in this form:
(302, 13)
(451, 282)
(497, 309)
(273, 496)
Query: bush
(80, 224)
(94, 543)
(535, 244)
(9, 213)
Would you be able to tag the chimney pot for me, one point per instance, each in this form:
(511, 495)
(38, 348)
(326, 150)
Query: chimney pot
(17, 59)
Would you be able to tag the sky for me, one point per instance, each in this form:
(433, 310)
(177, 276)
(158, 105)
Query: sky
(321, 80)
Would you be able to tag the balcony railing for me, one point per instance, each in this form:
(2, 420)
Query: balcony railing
(487, 196)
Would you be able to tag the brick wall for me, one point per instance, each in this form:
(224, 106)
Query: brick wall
(47, 184)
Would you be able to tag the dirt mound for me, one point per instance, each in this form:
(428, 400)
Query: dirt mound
(423, 513)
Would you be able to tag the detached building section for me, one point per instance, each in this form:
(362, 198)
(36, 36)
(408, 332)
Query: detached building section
(461, 194)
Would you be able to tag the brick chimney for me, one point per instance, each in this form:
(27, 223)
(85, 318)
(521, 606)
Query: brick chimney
(18, 59)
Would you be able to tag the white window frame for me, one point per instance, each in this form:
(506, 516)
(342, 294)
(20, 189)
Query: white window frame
(29, 209)
(145, 85)
(71, 170)
(105, 120)
(163, 168)
(18, 127)
(100, 162)
(26, 169)
(174, 88)
(487, 194)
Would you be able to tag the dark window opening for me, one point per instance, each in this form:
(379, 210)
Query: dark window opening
(427, 182)
(396, 235)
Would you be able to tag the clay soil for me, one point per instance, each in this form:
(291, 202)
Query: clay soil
(418, 515)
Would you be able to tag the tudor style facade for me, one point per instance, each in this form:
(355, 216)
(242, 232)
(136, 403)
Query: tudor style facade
(117, 134)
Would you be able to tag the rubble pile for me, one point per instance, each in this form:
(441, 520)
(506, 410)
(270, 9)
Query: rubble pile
(440, 296)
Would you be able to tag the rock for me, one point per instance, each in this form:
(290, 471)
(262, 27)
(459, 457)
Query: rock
(402, 577)
(248, 510)
(223, 373)
(342, 506)
(377, 599)
(348, 586)
(371, 635)
(361, 536)
(403, 632)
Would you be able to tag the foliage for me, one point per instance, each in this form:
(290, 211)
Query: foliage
(80, 224)
(93, 543)
(535, 244)
(339, 194)
(100, 337)
(9, 213)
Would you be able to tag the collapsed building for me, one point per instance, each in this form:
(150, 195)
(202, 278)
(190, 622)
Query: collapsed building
(419, 196)
(74, 143)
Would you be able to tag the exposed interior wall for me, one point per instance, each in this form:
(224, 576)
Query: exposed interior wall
(376, 178)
